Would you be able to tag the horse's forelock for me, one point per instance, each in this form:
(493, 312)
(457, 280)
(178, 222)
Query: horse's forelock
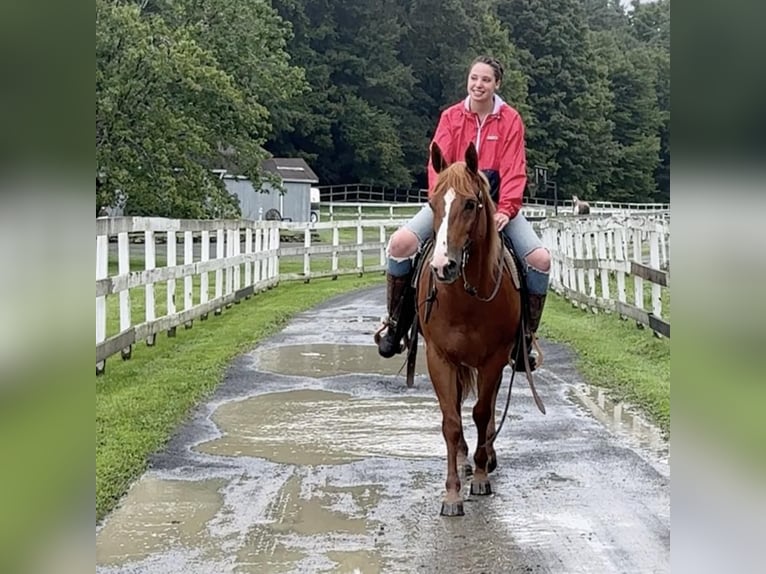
(458, 177)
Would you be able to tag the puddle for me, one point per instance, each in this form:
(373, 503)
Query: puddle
(263, 553)
(313, 516)
(312, 427)
(356, 562)
(321, 360)
(621, 421)
(170, 517)
(157, 515)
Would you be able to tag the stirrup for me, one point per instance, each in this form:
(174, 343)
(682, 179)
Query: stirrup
(401, 344)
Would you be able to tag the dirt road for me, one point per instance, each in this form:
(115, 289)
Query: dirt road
(313, 456)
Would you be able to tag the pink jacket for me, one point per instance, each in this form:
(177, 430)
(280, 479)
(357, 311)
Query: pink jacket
(500, 143)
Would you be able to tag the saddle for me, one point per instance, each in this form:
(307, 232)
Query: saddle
(511, 263)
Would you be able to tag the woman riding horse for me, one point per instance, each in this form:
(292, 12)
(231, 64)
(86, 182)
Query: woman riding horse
(497, 132)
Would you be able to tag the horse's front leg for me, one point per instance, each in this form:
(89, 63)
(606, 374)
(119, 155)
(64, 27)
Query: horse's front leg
(444, 381)
(491, 456)
(463, 464)
(484, 417)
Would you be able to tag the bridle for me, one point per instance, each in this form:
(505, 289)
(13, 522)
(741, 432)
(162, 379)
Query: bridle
(465, 253)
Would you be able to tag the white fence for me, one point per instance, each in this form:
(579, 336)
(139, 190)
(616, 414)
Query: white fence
(398, 211)
(601, 208)
(593, 260)
(154, 274)
(220, 263)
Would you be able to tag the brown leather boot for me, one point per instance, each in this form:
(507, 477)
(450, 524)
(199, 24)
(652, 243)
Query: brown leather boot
(401, 312)
(536, 305)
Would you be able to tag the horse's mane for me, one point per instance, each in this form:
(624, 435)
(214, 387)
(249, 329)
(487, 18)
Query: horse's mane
(457, 177)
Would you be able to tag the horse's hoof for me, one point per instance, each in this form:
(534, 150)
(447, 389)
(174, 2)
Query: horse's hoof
(481, 488)
(452, 509)
(492, 463)
(467, 470)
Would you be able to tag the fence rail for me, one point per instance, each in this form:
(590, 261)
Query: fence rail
(397, 211)
(592, 260)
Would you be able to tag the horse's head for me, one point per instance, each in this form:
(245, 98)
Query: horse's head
(463, 212)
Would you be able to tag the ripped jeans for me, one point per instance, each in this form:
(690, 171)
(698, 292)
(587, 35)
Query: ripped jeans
(518, 230)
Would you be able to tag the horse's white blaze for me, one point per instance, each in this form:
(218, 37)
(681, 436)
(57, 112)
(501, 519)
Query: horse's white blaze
(439, 258)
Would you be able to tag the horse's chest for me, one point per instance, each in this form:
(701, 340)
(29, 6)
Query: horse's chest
(469, 340)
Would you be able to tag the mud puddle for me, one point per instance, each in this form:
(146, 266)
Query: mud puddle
(326, 360)
(316, 427)
(157, 515)
(622, 422)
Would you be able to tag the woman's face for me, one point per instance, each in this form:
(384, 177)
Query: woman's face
(481, 83)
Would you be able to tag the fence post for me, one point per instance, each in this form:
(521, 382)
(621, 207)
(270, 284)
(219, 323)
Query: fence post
(219, 247)
(102, 269)
(248, 253)
(258, 262)
(588, 237)
(579, 255)
(188, 281)
(621, 257)
(123, 263)
(306, 255)
(654, 261)
(274, 259)
(236, 252)
(383, 258)
(638, 282)
(150, 262)
(229, 267)
(335, 244)
(170, 247)
(204, 286)
(359, 242)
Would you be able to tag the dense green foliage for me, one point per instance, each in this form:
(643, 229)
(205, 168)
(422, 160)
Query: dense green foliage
(356, 88)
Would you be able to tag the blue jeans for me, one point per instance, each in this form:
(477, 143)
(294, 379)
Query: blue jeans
(519, 231)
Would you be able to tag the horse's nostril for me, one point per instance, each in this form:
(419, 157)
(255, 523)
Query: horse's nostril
(451, 265)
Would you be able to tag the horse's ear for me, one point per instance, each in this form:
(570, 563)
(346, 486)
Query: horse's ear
(437, 159)
(472, 159)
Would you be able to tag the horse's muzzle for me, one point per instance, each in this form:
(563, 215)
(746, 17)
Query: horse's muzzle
(447, 273)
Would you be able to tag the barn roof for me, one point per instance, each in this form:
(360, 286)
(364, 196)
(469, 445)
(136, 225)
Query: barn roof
(290, 169)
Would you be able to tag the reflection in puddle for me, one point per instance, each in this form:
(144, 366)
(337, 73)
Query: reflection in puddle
(356, 562)
(330, 360)
(157, 515)
(309, 427)
(621, 421)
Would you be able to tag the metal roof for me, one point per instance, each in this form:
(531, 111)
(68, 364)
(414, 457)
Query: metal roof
(290, 169)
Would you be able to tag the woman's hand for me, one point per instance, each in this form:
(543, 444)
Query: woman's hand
(501, 220)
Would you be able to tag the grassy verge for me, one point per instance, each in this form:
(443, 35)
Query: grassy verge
(632, 363)
(141, 401)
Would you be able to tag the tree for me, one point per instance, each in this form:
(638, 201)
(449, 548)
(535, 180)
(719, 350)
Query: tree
(650, 25)
(568, 93)
(360, 90)
(166, 110)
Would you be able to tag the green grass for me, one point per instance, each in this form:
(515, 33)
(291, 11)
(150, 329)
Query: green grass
(630, 362)
(141, 401)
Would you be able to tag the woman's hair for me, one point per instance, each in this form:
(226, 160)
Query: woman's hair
(496, 66)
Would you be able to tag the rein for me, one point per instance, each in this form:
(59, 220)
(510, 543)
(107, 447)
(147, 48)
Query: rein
(470, 289)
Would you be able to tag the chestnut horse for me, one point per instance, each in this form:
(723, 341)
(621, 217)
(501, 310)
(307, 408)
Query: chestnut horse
(469, 311)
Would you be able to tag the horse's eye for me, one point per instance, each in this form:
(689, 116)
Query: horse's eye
(470, 205)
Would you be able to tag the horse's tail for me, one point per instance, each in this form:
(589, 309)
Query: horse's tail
(467, 380)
